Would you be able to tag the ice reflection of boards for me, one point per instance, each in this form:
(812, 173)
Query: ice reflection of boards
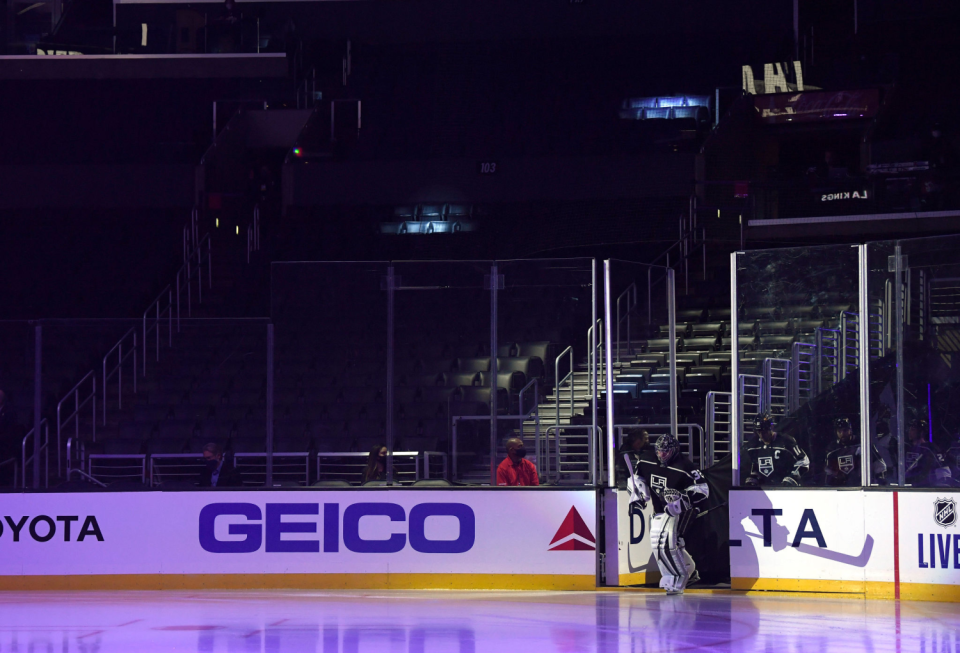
(674, 484)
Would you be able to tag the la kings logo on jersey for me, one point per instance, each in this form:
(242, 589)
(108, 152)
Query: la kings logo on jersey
(845, 463)
(658, 483)
(945, 512)
(765, 464)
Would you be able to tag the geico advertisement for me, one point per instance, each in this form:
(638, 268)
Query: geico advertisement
(399, 531)
(929, 537)
(823, 534)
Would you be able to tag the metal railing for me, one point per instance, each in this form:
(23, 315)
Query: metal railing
(595, 357)
(558, 388)
(694, 448)
(349, 466)
(78, 403)
(114, 467)
(719, 422)
(44, 449)
(130, 337)
(174, 466)
(751, 396)
(574, 447)
(849, 343)
(630, 296)
(776, 385)
(287, 466)
(826, 372)
(802, 374)
(151, 323)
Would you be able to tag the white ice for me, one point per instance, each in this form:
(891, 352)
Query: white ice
(465, 622)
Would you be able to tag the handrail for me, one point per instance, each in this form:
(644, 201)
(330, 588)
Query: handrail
(536, 391)
(631, 305)
(43, 447)
(559, 382)
(591, 356)
(118, 370)
(75, 415)
(168, 311)
(591, 431)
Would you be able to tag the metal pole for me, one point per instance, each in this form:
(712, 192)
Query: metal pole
(37, 393)
(494, 286)
(391, 281)
(270, 366)
(736, 430)
(611, 480)
(898, 316)
(593, 371)
(672, 317)
(864, 326)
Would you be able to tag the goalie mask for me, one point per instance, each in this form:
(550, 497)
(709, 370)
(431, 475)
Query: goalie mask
(667, 447)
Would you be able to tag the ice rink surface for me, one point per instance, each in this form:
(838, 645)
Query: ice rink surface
(466, 622)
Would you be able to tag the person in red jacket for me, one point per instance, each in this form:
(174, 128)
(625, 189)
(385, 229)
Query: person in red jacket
(515, 469)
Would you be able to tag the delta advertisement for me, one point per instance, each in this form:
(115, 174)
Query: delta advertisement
(376, 539)
(879, 543)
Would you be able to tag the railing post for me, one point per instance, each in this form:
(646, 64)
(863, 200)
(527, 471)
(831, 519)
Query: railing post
(390, 283)
(37, 395)
(169, 318)
(608, 382)
(158, 330)
(494, 286)
(269, 475)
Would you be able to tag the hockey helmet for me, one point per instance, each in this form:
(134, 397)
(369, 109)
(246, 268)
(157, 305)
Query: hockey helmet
(842, 424)
(667, 447)
(764, 422)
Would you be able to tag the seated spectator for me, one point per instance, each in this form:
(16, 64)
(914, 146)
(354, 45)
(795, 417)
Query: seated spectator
(515, 470)
(376, 469)
(634, 443)
(216, 473)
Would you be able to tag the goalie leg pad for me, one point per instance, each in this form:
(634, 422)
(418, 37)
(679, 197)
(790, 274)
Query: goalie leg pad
(676, 565)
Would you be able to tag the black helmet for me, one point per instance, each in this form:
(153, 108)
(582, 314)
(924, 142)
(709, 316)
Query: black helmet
(667, 447)
(842, 424)
(764, 422)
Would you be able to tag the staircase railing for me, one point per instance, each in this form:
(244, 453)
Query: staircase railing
(44, 449)
(128, 341)
(628, 297)
(560, 382)
(88, 385)
(595, 358)
(719, 429)
(692, 238)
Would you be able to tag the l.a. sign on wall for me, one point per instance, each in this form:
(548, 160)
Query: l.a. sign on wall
(378, 539)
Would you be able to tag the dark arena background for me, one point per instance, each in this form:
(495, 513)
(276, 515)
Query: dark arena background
(555, 325)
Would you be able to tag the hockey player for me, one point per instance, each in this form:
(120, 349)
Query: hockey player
(843, 458)
(775, 458)
(951, 459)
(674, 485)
(923, 462)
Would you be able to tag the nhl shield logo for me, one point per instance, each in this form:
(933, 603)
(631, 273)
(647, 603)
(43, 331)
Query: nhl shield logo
(765, 464)
(845, 463)
(945, 512)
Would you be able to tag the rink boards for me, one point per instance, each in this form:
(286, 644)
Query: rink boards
(369, 539)
(881, 544)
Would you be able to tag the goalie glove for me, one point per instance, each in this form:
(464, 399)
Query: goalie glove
(639, 493)
(675, 502)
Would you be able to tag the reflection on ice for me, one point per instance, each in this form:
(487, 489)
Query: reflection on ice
(465, 622)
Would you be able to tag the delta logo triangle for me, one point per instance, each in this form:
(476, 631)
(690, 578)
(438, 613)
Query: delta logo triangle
(573, 534)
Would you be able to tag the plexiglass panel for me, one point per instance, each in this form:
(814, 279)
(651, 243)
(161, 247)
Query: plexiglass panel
(798, 327)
